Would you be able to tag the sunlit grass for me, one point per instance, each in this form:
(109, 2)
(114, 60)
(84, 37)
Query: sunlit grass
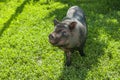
(25, 52)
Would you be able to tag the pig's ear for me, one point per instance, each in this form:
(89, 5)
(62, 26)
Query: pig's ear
(56, 22)
(72, 25)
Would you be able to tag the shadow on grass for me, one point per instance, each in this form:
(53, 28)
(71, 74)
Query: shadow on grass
(13, 16)
(94, 47)
(3, 0)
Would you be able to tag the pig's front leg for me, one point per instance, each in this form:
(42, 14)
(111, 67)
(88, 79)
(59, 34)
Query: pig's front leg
(68, 55)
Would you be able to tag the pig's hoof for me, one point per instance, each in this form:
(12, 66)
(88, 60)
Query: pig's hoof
(82, 54)
(67, 64)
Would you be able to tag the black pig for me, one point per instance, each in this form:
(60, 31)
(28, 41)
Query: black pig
(70, 33)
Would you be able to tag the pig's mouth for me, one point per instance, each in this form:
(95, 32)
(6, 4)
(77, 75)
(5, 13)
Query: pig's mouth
(58, 43)
(53, 42)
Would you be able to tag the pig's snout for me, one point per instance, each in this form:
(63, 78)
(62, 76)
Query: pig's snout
(51, 37)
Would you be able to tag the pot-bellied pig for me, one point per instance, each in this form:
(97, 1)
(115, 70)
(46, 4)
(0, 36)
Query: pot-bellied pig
(70, 34)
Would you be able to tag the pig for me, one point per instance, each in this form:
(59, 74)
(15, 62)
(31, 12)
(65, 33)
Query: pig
(70, 34)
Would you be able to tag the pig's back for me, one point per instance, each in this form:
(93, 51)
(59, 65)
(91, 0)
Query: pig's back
(76, 13)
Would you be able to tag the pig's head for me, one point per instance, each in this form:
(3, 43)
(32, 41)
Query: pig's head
(62, 33)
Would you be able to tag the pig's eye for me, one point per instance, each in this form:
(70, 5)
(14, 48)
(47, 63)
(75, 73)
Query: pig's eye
(59, 31)
(64, 33)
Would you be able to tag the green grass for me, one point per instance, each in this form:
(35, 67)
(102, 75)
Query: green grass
(26, 54)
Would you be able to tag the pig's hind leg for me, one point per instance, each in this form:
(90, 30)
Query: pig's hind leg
(81, 49)
(81, 52)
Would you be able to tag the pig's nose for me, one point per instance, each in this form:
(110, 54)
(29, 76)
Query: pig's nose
(51, 37)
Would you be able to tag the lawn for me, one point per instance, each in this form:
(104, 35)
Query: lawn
(26, 54)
